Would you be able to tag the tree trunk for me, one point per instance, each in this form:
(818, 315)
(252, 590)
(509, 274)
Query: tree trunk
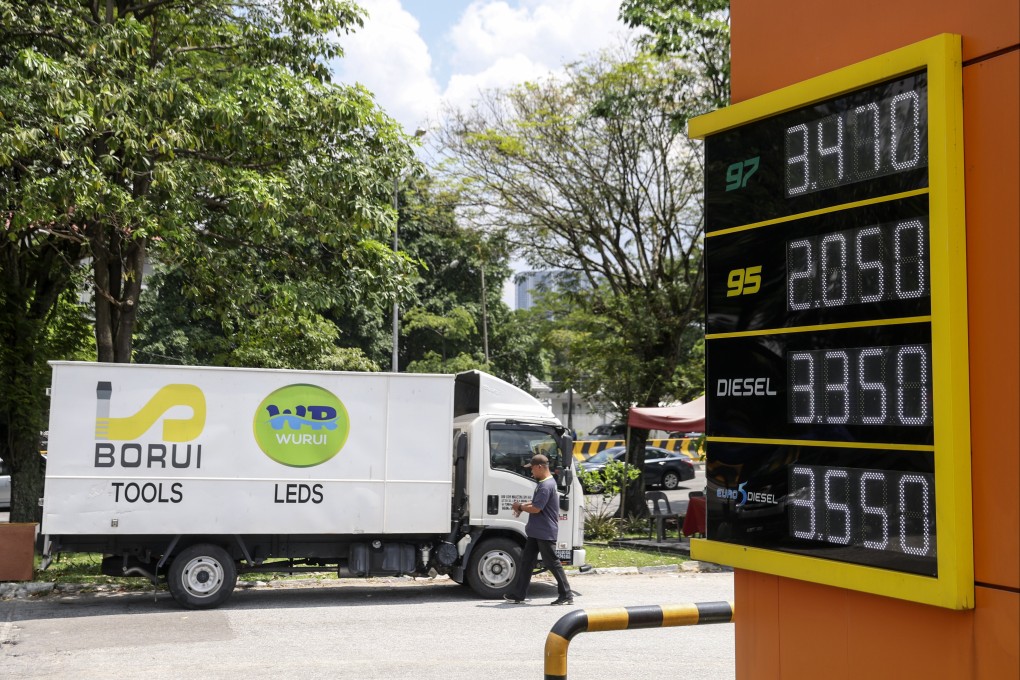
(118, 266)
(26, 464)
(32, 284)
(632, 498)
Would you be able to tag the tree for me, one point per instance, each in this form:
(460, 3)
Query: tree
(695, 31)
(39, 320)
(457, 320)
(189, 128)
(594, 175)
(175, 121)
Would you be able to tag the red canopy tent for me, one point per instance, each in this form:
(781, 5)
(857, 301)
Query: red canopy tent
(689, 417)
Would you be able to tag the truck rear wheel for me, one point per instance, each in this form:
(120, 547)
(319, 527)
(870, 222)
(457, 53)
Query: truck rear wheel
(202, 576)
(494, 566)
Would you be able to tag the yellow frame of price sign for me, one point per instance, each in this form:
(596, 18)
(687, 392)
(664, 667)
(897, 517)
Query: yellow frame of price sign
(954, 585)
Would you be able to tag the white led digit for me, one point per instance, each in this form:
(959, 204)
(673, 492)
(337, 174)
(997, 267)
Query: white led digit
(874, 510)
(925, 516)
(835, 149)
(863, 138)
(807, 503)
(805, 274)
(912, 128)
(904, 259)
(839, 386)
(807, 389)
(832, 506)
(877, 413)
(917, 387)
(801, 159)
(833, 252)
(875, 283)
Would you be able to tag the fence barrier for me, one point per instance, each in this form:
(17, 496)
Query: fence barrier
(625, 618)
(585, 449)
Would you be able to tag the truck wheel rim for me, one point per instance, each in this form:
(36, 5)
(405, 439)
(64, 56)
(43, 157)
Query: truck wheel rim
(202, 576)
(497, 569)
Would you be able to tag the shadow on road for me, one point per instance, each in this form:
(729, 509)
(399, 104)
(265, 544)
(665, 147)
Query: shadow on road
(279, 596)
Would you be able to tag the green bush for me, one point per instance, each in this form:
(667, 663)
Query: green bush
(600, 522)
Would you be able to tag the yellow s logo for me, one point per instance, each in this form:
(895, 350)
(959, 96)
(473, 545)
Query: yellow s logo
(133, 427)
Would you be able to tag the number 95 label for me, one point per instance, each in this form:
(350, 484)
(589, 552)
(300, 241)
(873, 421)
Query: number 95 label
(743, 281)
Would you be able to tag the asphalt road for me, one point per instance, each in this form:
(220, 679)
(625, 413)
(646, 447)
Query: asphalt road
(375, 628)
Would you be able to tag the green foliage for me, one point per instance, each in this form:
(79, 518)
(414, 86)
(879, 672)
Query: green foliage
(456, 325)
(195, 128)
(602, 185)
(458, 310)
(434, 363)
(696, 31)
(604, 557)
(206, 133)
(607, 482)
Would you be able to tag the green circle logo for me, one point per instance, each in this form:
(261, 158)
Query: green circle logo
(301, 425)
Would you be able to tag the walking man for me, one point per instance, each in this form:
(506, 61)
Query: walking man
(542, 528)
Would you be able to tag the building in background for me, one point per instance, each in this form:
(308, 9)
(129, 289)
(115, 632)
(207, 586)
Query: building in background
(573, 410)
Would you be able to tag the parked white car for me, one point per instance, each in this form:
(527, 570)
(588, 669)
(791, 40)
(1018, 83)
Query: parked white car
(5, 486)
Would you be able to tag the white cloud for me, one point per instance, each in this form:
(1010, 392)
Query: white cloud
(498, 45)
(493, 44)
(389, 57)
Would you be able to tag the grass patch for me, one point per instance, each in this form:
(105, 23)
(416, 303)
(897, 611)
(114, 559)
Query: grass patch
(79, 568)
(604, 556)
(84, 568)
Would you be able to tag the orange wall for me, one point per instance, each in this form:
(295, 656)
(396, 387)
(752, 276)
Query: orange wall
(795, 630)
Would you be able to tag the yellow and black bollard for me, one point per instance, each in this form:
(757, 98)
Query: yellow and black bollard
(625, 618)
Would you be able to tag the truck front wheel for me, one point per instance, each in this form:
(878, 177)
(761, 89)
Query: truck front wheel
(202, 576)
(494, 566)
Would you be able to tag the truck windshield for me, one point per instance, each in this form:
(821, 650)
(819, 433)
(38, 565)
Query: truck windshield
(511, 448)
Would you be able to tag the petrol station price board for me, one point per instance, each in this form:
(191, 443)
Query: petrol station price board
(838, 446)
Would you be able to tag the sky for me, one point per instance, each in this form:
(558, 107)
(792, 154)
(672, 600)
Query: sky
(417, 54)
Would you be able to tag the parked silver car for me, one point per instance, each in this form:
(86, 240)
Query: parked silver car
(5, 486)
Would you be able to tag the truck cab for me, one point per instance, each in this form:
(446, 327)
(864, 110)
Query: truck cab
(498, 474)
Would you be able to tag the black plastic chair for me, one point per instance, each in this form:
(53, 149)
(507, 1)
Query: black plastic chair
(659, 506)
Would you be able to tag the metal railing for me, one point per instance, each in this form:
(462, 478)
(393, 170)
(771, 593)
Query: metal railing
(625, 618)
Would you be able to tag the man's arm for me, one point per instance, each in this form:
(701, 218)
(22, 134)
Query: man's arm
(538, 501)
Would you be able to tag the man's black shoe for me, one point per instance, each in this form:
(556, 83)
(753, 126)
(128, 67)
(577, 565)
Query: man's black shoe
(513, 599)
(563, 600)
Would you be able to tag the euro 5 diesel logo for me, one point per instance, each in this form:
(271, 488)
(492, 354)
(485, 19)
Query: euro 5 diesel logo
(301, 425)
(733, 494)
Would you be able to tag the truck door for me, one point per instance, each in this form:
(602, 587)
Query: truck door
(510, 447)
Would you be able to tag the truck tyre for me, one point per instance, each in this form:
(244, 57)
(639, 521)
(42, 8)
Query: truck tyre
(202, 576)
(494, 566)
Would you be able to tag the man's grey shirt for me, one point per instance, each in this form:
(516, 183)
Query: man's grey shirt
(545, 525)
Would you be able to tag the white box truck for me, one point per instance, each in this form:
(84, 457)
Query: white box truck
(194, 475)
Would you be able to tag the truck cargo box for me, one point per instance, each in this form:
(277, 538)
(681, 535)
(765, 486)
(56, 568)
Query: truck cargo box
(183, 450)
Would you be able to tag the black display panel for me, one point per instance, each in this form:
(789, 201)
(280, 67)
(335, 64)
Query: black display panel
(868, 263)
(869, 143)
(870, 384)
(868, 507)
(837, 389)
